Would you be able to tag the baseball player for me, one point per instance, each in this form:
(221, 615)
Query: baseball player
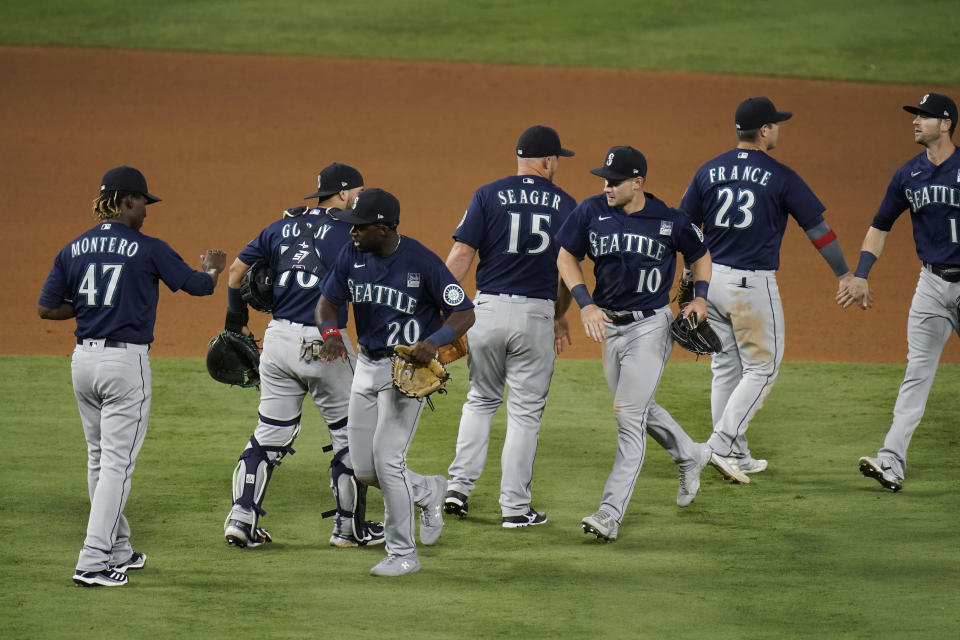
(929, 185)
(300, 249)
(742, 199)
(107, 279)
(632, 238)
(399, 289)
(520, 324)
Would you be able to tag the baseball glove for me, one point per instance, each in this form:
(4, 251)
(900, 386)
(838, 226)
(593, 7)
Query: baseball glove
(417, 381)
(453, 351)
(234, 359)
(698, 337)
(256, 286)
(684, 290)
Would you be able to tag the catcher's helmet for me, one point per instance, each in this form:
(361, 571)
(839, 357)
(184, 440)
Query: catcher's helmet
(256, 286)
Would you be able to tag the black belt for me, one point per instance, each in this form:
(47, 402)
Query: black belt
(944, 272)
(116, 344)
(627, 317)
(378, 354)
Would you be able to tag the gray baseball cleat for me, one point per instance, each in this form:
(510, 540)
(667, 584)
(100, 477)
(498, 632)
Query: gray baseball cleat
(690, 477)
(104, 578)
(396, 566)
(136, 561)
(239, 534)
(455, 503)
(602, 524)
(431, 514)
(728, 468)
(873, 468)
(752, 465)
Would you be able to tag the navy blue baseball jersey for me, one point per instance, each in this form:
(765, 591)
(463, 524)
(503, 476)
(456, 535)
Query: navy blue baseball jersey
(932, 193)
(111, 274)
(397, 299)
(634, 256)
(512, 224)
(301, 250)
(742, 199)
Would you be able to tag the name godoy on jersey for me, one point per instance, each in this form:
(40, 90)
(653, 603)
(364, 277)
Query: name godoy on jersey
(634, 256)
(301, 248)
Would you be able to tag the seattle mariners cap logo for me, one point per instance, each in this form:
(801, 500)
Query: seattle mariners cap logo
(339, 176)
(924, 98)
(609, 159)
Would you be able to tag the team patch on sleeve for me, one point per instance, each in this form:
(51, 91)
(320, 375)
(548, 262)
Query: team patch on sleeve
(453, 295)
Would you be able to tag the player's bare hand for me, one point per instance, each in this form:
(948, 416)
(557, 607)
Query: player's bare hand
(561, 333)
(593, 319)
(422, 352)
(333, 350)
(214, 259)
(854, 290)
(698, 306)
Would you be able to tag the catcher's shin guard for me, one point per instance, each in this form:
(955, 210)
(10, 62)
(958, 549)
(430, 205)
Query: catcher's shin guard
(252, 473)
(350, 527)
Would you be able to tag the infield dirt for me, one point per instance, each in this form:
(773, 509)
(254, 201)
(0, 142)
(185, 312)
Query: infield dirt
(229, 141)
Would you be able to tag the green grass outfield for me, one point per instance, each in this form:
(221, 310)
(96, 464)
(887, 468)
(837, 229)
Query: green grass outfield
(810, 549)
(871, 40)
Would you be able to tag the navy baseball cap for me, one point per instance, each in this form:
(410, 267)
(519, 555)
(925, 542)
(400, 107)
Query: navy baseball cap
(753, 113)
(125, 178)
(540, 141)
(623, 163)
(373, 206)
(935, 105)
(334, 179)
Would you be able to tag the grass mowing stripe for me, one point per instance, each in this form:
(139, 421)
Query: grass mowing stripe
(870, 40)
(809, 549)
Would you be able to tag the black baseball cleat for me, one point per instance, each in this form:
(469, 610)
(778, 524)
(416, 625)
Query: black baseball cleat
(136, 561)
(529, 519)
(455, 503)
(104, 578)
(240, 534)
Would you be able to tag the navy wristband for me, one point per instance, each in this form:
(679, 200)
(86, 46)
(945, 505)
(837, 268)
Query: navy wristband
(866, 263)
(700, 288)
(581, 295)
(444, 335)
(235, 300)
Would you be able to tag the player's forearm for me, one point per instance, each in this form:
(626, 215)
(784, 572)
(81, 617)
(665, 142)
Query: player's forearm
(569, 268)
(64, 312)
(870, 250)
(325, 313)
(563, 299)
(460, 321)
(826, 242)
(459, 260)
(237, 269)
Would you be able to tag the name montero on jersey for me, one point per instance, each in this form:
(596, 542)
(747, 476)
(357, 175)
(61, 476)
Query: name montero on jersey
(104, 244)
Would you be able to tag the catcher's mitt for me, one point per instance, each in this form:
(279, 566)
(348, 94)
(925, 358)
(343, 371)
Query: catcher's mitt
(453, 351)
(698, 337)
(684, 290)
(234, 359)
(417, 381)
(256, 286)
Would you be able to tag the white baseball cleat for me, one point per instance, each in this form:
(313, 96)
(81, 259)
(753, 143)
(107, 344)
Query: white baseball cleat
(728, 468)
(872, 468)
(105, 578)
(136, 561)
(396, 566)
(752, 465)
